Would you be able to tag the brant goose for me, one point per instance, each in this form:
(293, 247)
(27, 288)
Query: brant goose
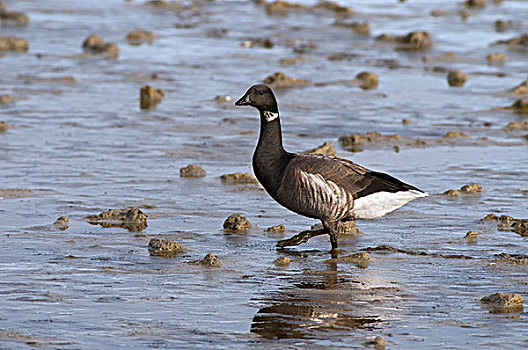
(330, 189)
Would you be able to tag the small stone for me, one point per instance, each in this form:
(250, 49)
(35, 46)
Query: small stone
(165, 247)
(283, 261)
(406, 121)
(149, 97)
(326, 148)
(361, 28)
(239, 178)
(210, 260)
(192, 170)
(456, 78)
(237, 223)
(472, 234)
(3, 126)
(62, 223)
(276, 229)
(503, 302)
(471, 188)
(368, 80)
(138, 37)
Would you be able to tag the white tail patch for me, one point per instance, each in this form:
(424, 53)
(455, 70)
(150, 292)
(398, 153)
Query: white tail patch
(380, 203)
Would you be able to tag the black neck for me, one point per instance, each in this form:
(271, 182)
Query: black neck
(270, 158)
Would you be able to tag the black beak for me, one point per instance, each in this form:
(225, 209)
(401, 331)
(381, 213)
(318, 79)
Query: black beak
(243, 101)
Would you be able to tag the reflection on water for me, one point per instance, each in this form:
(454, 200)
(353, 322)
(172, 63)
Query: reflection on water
(314, 304)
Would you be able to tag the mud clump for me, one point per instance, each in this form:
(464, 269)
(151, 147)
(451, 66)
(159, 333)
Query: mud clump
(414, 41)
(467, 189)
(192, 170)
(509, 224)
(62, 223)
(283, 261)
(14, 44)
(471, 234)
(131, 219)
(344, 228)
(521, 89)
(522, 125)
(138, 37)
(456, 78)
(95, 45)
(361, 260)
(280, 80)
(19, 19)
(276, 229)
(455, 134)
(236, 223)
(517, 43)
(353, 141)
(149, 97)
(281, 7)
(502, 25)
(496, 58)
(5, 99)
(367, 80)
(3, 126)
(222, 98)
(520, 106)
(166, 248)
(239, 178)
(210, 260)
(292, 61)
(503, 302)
(326, 148)
(515, 259)
(475, 4)
(16, 193)
(360, 28)
(259, 42)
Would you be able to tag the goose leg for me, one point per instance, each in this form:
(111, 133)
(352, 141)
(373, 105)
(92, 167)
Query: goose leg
(331, 228)
(301, 237)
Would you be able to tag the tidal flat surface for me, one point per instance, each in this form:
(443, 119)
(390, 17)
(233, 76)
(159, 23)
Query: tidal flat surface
(77, 144)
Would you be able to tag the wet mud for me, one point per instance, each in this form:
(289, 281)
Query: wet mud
(75, 143)
(132, 219)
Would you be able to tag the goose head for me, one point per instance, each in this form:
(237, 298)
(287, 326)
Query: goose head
(261, 97)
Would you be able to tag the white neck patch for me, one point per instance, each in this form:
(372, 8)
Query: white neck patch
(270, 116)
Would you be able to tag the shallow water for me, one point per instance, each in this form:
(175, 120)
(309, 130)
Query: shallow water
(83, 147)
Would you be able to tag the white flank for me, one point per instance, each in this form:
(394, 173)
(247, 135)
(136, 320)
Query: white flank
(380, 203)
(270, 116)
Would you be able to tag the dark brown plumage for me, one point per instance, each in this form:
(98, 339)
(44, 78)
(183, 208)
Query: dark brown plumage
(330, 189)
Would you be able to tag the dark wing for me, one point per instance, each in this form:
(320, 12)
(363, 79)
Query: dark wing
(353, 178)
